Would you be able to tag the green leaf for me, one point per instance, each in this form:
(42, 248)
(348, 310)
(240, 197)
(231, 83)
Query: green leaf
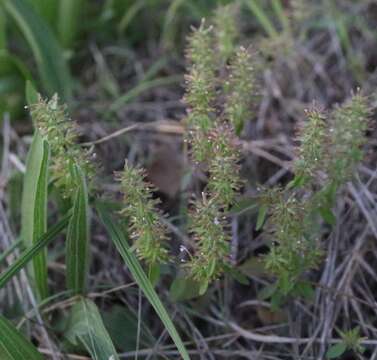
(122, 325)
(262, 18)
(327, 215)
(13, 345)
(237, 275)
(70, 20)
(336, 350)
(243, 206)
(267, 292)
(31, 93)
(13, 74)
(77, 244)
(305, 290)
(117, 236)
(261, 217)
(154, 273)
(48, 55)
(30, 253)
(34, 207)
(183, 288)
(47, 9)
(3, 26)
(86, 328)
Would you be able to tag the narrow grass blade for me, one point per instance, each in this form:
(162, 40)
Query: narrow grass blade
(283, 18)
(142, 87)
(10, 250)
(30, 93)
(47, 52)
(130, 14)
(118, 238)
(13, 345)
(47, 9)
(78, 240)
(262, 18)
(34, 207)
(30, 253)
(86, 328)
(3, 25)
(69, 20)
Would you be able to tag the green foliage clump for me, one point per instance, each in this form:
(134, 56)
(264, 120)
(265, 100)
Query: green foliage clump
(54, 124)
(333, 148)
(146, 227)
(212, 137)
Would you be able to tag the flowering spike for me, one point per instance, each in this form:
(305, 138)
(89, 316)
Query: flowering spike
(54, 124)
(212, 242)
(226, 30)
(312, 152)
(224, 181)
(147, 229)
(239, 89)
(349, 124)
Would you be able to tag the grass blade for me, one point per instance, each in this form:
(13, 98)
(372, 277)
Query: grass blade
(117, 236)
(34, 207)
(262, 18)
(30, 253)
(78, 240)
(13, 345)
(47, 52)
(86, 327)
(3, 26)
(47, 9)
(69, 21)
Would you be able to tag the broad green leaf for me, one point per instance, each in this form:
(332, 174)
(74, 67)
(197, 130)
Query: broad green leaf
(122, 325)
(267, 292)
(48, 55)
(183, 288)
(253, 266)
(117, 236)
(78, 239)
(13, 345)
(237, 275)
(30, 253)
(86, 328)
(34, 207)
(336, 350)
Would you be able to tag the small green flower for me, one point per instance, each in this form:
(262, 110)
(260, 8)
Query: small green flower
(54, 123)
(146, 227)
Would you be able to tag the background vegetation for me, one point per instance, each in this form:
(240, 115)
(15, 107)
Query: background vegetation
(284, 214)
